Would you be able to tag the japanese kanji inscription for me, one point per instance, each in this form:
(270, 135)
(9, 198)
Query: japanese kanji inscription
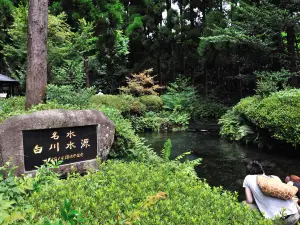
(69, 144)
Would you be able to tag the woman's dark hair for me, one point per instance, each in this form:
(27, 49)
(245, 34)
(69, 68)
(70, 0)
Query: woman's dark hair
(254, 168)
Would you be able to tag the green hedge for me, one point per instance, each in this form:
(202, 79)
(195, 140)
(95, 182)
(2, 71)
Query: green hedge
(127, 104)
(152, 102)
(278, 114)
(121, 103)
(136, 193)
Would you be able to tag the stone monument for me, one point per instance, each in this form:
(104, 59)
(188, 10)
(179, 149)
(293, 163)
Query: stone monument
(75, 137)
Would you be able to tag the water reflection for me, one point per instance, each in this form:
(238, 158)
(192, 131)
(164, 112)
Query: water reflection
(223, 163)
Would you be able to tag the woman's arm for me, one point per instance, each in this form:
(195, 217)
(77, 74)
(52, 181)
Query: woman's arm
(249, 196)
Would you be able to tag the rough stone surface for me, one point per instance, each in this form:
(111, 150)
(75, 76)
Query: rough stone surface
(11, 138)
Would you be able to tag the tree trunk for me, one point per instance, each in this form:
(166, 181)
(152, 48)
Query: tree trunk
(159, 70)
(206, 83)
(168, 5)
(240, 83)
(291, 47)
(182, 61)
(192, 15)
(110, 73)
(36, 80)
(86, 70)
(291, 37)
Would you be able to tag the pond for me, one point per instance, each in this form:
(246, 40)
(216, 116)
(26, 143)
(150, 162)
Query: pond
(223, 163)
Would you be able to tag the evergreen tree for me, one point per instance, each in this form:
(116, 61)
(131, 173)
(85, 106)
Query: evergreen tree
(6, 9)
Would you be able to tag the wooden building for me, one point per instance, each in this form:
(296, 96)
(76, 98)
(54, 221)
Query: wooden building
(8, 86)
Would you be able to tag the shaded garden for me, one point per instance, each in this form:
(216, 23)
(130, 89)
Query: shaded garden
(153, 66)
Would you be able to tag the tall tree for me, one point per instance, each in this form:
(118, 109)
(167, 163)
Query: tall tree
(6, 8)
(37, 52)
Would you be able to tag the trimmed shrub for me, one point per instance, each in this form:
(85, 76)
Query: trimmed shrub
(136, 193)
(278, 114)
(141, 84)
(153, 103)
(125, 103)
(119, 102)
(136, 107)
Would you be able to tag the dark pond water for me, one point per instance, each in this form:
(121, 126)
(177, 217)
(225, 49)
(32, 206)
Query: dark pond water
(223, 163)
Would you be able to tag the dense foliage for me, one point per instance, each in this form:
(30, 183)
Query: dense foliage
(101, 42)
(144, 112)
(255, 118)
(182, 98)
(66, 94)
(119, 194)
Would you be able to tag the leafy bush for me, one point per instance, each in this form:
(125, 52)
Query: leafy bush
(233, 127)
(11, 106)
(269, 82)
(137, 107)
(120, 194)
(6, 216)
(150, 121)
(265, 88)
(125, 103)
(179, 119)
(180, 96)
(9, 189)
(153, 103)
(167, 149)
(278, 114)
(119, 102)
(141, 84)
(208, 110)
(70, 73)
(67, 95)
(126, 142)
(144, 112)
(165, 120)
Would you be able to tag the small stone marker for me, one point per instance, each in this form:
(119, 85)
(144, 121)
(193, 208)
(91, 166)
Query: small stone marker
(76, 137)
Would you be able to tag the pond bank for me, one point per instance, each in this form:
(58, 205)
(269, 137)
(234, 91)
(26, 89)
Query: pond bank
(223, 163)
